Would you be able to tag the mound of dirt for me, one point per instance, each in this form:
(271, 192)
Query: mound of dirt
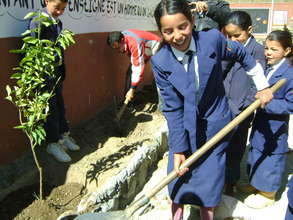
(106, 148)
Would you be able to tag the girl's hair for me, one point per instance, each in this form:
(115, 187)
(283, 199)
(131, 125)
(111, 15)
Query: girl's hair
(284, 38)
(239, 18)
(171, 7)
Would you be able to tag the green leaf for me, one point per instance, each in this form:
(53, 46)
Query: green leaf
(30, 15)
(66, 41)
(34, 30)
(47, 23)
(20, 127)
(70, 38)
(30, 39)
(46, 95)
(15, 76)
(19, 83)
(17, 51)
(58, 50)
(16, 68)
(47, 109)
(26, 32)
(40, 134)
(35, 136)
(42, 130)
(25, 59)
(21, 104)
(62, 43)
(50, 43)
(42, 17)
(8, 90)
(9, 98)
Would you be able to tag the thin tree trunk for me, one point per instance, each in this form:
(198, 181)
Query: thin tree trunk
(40, 169)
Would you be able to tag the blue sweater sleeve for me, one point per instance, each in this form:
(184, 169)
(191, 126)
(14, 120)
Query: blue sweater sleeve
(235, 51)
(282, 104)
(173, 111)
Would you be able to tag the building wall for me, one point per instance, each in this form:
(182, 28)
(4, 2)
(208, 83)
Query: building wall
(272, 16)
(285, 6)
(12, 142)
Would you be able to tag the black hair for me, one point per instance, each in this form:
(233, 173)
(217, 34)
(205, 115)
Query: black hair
(284, 38)
(171, 7)
(113, 37)
(239, 18)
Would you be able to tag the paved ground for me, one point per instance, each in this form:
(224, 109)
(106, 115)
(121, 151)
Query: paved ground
(159, 206)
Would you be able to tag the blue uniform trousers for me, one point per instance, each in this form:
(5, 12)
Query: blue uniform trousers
(235, 151)
(56, 123)
(265, 170)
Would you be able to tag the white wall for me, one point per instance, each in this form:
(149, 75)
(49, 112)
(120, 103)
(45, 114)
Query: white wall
(82, 16)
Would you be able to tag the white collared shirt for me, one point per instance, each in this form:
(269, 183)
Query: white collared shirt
(247, 42)
(182, 57)
(274, 68)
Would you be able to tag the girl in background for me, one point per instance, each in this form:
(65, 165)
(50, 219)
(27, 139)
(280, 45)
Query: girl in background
(240, 91)
(289, 212)
(188, 72)
(267, 156)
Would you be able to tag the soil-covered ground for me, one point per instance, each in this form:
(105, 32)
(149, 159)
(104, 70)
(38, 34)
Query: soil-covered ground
(106, 147)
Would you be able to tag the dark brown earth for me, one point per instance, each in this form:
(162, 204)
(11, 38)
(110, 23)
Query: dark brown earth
(105, 150)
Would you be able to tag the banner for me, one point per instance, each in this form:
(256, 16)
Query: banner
(82, 16)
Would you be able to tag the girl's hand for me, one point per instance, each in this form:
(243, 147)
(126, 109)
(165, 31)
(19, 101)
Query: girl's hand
(198, 7)
(265, 96)
(179, 158)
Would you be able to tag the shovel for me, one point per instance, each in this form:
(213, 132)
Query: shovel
(122, 109)
(128, 212)
(118, 116)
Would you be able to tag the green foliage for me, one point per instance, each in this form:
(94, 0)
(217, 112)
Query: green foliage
(39, 60)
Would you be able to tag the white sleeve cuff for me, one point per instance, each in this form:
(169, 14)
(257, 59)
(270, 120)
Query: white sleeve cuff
(258, 77)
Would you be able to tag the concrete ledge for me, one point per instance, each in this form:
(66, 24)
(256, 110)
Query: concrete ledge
(122, 189)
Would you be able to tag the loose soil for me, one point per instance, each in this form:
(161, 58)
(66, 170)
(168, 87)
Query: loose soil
(106, 148)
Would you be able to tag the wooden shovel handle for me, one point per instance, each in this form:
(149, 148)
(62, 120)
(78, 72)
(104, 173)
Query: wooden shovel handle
(122, 109)
(210, 143)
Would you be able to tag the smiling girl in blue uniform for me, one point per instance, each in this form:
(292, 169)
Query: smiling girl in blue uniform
(188, 72)
(267, 156)
(240, 91)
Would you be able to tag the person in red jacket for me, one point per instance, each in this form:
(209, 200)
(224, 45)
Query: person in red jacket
(140, 46)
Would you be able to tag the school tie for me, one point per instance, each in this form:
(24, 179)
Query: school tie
(58, 25)
(267, 71)
(190, 66)
(191, 73)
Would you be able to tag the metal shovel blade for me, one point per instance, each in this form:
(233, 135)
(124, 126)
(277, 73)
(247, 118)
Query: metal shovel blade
(128, 212)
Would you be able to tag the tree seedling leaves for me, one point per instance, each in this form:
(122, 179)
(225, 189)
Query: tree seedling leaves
(30, 15)
(30, 39)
